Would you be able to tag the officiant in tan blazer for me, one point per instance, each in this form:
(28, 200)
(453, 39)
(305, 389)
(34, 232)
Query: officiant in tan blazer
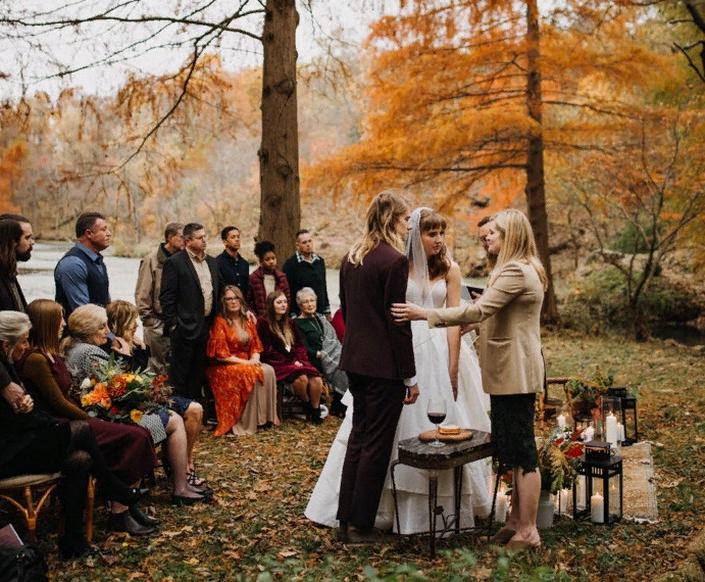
(512, 365)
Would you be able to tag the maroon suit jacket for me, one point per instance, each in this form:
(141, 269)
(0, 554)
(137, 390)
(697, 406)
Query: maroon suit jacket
(374, 345)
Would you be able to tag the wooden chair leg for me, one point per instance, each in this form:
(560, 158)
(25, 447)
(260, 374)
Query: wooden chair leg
(30, 515)
(90, 506)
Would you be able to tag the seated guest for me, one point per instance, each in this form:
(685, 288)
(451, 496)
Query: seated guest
(88, 329)
(122, 321)
(32, 441)
(245, 390)
(322, 345)
(284, 350)
(265, 279)
(127, 448)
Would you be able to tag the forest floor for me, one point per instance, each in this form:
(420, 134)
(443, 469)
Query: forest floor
(255, 530)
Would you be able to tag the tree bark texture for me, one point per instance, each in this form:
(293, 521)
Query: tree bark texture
(280, 210)
(535, 182)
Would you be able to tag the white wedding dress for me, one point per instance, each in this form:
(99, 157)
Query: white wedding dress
(469, 411)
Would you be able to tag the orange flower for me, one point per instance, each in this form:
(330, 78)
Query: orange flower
(136, 415)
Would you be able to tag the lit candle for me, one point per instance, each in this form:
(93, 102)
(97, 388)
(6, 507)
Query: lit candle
(588, 434)
(580, 484)
(620, 432)
(597, 508)
(500, 510)
(561, 420)
(611, 433)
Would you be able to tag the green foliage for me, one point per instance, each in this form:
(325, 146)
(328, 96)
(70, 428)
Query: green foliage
(631, 240)
(598, 302)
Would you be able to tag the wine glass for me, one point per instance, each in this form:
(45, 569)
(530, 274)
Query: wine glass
(436, 411)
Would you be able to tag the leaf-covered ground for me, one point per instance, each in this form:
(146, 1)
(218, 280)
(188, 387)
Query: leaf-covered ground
(256, 530)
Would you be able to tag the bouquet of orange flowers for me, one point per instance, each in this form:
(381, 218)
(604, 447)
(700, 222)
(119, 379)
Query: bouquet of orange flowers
(120, 396)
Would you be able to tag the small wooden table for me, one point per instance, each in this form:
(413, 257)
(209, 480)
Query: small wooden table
(415, 453)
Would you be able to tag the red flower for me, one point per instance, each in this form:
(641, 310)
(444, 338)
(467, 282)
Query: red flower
(558, 442)
(574, 450)
(114, 410)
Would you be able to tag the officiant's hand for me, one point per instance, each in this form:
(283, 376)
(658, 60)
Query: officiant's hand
(412, 393)
(402, 312)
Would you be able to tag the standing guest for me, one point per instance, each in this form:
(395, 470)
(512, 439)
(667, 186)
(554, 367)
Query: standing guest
(127, 448)
(149, 284)
(16, 243)
(189, 298)
(244, 388)
(338, 324)
(32, 441)
(265, 279)
(80, 275)
(285, 351)
(122, 321)
(512, 364)
(307, 269)
(322, 345)
(379, 358)
(233, 269)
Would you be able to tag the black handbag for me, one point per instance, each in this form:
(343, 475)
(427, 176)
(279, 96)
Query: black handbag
(23, 564)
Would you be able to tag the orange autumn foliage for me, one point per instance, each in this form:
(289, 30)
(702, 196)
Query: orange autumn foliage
(11, 169)
(446, 98)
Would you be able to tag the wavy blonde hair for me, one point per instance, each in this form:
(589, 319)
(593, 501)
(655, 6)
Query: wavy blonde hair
(518, 243)
(380, 225)
(84, 322)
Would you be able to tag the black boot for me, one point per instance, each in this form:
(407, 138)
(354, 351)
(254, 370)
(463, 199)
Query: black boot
(125, 522)
(316, 415)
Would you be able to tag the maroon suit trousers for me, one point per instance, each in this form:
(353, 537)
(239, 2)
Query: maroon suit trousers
(377, 406)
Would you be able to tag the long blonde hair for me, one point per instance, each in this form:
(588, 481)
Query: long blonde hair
(380, 225)
(518, 243)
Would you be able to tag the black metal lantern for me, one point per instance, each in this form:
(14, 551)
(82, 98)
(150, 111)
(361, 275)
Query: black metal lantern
(629, 415)
(603, 481)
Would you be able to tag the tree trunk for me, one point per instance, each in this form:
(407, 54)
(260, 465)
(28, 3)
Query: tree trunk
(535, 183)
(280, 210)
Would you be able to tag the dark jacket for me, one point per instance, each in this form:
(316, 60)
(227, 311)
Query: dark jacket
(302, 274)
(18, 431)
(257, 294)
(374, 345)
(181, 297)
(233, 271)
(8, 299)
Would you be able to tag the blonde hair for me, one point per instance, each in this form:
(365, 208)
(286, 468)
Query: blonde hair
(120, 315)
(380, 225)
(13, 325)
(84, 322)
(45, 316)
(518, 243)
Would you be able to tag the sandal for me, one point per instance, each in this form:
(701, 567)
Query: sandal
(193, 479)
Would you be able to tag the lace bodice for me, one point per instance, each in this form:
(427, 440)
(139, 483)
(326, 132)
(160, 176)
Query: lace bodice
(436, 298)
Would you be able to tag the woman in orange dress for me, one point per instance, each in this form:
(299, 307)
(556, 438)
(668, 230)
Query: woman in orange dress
(245, 389)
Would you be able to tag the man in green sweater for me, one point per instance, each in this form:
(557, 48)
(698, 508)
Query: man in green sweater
(307, 269)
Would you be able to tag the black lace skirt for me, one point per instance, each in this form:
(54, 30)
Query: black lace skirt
(513, 430)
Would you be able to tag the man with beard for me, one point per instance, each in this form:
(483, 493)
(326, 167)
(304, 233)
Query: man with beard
(16, 243)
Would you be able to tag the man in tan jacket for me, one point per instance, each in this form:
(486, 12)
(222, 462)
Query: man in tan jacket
(149, 282)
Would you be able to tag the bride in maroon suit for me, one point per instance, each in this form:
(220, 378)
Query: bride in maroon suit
(285, 351)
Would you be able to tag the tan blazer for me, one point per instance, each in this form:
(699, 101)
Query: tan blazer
(510, 335)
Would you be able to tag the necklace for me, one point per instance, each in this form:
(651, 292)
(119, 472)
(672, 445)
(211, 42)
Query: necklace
(318, 326)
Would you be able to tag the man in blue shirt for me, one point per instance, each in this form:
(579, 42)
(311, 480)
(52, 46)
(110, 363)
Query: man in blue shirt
(80, 275)
(233, 269)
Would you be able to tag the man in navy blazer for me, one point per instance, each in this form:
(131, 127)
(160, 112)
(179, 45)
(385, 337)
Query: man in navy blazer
(189, 298)
(378, 357)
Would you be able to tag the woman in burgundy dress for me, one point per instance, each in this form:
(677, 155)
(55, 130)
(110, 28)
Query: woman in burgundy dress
(285, 351)
(127, 449)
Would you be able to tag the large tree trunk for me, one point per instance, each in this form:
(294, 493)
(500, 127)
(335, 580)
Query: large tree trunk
(535, 183)
(280, 211)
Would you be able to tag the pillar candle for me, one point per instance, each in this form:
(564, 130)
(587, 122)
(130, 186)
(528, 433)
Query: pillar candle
(597, 508)
(620, 432)
(500, 510)
(588, 434)
(611, 429)
(561, 420)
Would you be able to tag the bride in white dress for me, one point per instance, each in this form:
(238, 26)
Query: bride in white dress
(445, 367)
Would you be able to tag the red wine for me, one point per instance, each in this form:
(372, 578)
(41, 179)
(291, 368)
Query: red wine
(436, 417)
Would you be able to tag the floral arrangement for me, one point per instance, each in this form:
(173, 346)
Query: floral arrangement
(585, 394)
(120, 396)
(558, 456)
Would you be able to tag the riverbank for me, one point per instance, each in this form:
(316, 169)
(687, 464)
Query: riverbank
(256, 529)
